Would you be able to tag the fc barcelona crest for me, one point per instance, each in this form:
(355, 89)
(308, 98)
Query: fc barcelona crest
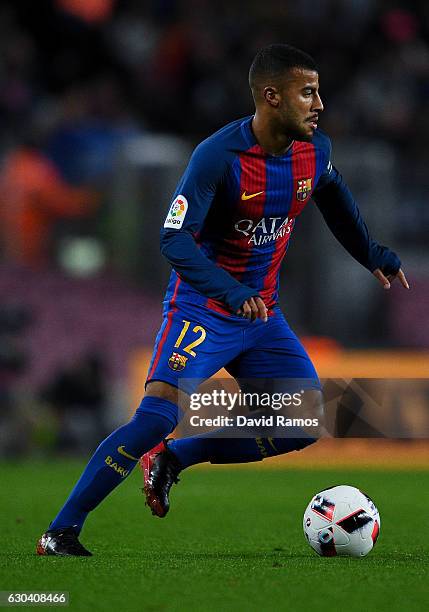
(304, 189)
(177, 362)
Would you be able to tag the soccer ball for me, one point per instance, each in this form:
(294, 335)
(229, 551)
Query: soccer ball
(341, 521)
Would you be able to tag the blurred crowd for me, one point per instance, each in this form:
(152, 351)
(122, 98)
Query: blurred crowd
(79, 76)
(181, 65)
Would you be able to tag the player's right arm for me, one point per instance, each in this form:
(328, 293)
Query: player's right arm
(191, 203)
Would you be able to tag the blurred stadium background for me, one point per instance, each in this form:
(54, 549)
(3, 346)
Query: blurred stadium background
(101, 103)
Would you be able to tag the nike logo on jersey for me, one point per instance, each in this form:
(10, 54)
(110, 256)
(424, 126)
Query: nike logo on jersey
(121, 451)
(244, 195)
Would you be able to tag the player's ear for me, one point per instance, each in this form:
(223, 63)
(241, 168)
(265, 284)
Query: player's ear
(272, 96)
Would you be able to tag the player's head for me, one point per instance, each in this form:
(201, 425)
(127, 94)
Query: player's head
(285, 84)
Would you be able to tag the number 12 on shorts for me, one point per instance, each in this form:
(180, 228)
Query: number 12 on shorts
(197, 329)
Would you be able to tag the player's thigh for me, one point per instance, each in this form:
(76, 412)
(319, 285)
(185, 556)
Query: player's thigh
(192, 345)
(278, 363)
(275, 352)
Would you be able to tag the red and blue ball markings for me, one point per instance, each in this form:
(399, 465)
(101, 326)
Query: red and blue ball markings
(350, 523)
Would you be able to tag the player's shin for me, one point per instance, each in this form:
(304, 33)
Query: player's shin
(255, 443)
(260, 448)
(115, 458)
(200, 449)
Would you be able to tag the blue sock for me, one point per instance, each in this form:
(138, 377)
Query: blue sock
(209, 447)
(115, 458)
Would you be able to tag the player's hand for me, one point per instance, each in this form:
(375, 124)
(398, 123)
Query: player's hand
(254, 308)
(386, 280)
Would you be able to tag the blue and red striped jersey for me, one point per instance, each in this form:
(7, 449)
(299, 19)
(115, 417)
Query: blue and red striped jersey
(234, 210)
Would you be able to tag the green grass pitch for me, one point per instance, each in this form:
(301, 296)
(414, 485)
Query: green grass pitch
(232, 541)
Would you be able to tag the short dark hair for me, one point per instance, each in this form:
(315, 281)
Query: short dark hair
(273, 61)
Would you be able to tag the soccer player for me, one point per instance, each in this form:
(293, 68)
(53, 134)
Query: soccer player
(225, 235)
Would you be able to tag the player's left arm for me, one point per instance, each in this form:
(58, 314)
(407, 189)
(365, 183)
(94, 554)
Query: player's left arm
(342, 215)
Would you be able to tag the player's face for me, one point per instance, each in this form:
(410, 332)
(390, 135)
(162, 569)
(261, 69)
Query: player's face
(300, 103)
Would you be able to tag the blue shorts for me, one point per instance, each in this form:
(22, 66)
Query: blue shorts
(195, 342)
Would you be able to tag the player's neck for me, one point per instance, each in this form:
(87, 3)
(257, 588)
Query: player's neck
(269, 137)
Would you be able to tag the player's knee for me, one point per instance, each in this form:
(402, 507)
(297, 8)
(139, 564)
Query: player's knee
(162, 390)
(160, 424)
(161, 415)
